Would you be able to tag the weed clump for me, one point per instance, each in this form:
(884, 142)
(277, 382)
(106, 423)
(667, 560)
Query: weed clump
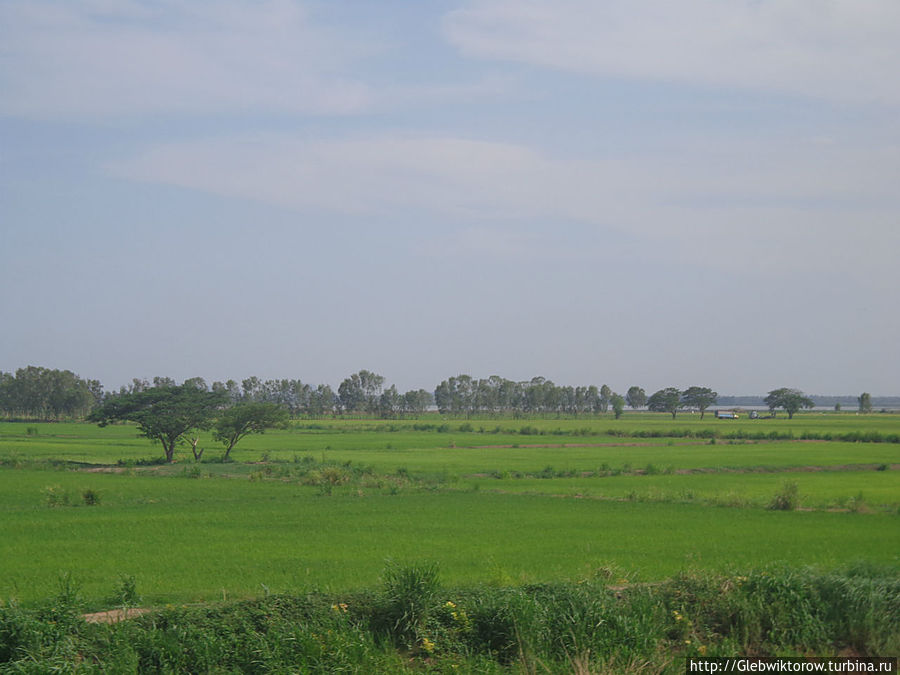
(126, 593)
(90, 497)
(55, 496)
(408, 600)
(787, 498)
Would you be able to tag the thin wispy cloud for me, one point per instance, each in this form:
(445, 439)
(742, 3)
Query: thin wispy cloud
(842, 50)
(108, 60)
(686, 197)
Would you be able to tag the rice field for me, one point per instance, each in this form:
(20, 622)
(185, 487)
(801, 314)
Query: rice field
(324, 504)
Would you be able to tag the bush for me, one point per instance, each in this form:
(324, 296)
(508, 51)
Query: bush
(787, 498)
(90, 497)
(55, 496)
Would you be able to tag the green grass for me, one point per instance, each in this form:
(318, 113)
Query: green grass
(193, 540)
(465, 452)
(822, 490)
(469, 499)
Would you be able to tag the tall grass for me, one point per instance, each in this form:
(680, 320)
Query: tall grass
(590, 626)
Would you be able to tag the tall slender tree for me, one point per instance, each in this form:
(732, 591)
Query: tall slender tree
(865, 402)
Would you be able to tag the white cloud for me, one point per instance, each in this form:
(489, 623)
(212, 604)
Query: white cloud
(495, 244)
(106, 59)
(844, 50)
(376, 175)
(774, 209)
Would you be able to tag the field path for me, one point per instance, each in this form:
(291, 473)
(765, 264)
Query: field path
(114, 615)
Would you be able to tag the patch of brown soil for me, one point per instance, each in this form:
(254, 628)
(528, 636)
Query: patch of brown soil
(114, 615)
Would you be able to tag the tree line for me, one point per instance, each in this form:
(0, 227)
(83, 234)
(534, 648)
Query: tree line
(42, 393)
(45, 394)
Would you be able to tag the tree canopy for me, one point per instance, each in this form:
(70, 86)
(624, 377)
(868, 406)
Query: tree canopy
(248, 418)
(665, 400)
(164, 414)
(617, 401)
(865, 402)
(791, 400)
(47, 394)
(361, 392)
(636, 397)
(698, 397)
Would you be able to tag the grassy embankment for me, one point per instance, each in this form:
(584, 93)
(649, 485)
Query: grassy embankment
(412, 623)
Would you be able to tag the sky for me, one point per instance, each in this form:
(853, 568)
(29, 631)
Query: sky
(629, 192)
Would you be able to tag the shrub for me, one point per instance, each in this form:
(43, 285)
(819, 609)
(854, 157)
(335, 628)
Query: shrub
(55, 496)
(90, 497)
(787, 498)
(857, 504)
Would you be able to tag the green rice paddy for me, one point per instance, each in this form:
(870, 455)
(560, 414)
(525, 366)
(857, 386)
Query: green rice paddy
(325, 503)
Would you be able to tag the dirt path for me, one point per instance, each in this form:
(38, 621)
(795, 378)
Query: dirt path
(114, 615)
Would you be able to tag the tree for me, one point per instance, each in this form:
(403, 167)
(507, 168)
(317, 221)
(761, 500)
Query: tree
(865, 402)
(699, 397)
(248, 418)
(165, 414)
(665, 400)
(636, 397)
(618, 404)
(791, 400)
(416, 402)
(592, 399)
(361, 392)
(322, 401)
(457, 395)
(390, 402)
(605, 393)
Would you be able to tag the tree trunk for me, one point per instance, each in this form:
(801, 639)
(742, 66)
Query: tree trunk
(228, 449)
(197, 455)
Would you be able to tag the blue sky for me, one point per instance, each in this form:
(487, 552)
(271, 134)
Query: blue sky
(614, 191)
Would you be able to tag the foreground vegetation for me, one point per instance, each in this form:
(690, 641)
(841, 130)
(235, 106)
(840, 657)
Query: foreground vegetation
(412, 623)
